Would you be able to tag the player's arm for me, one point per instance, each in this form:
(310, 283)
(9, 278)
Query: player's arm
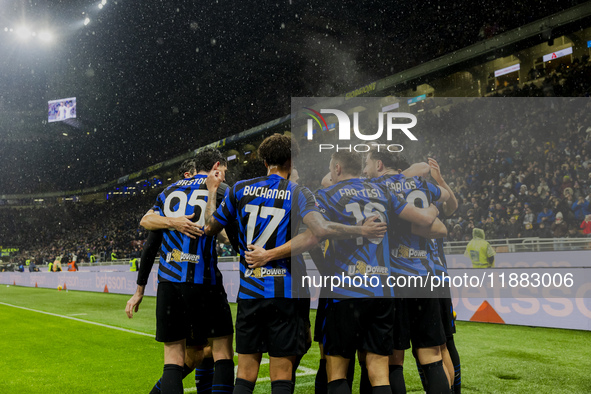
(213, 181)
(323, 229)
(257, 256)
(153, 221)
(450, 203)
(423, 217)
(417, 169)
(151, 247)
(436, 230)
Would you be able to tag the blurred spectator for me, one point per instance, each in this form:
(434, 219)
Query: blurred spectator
(586, 225)
(546, 216)
(543, 231)
(580, 208)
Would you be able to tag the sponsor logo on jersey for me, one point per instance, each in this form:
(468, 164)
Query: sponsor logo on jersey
(265, 192)
(362, 268)
(404, 251)
(179, 257)
(262, 272)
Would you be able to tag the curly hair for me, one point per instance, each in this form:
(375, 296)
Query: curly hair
(277, 149)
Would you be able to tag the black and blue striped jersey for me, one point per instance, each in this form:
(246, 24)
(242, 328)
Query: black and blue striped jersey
(442, 266)
(411, 254)
(269, 210)
(350, 202)
(183, 259)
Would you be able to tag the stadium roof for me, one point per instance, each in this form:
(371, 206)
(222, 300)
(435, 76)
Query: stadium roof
(157, 80)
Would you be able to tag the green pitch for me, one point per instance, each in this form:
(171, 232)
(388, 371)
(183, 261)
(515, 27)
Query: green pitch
(85, 343)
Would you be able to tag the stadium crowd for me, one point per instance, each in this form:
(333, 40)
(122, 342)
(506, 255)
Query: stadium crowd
(527, 180)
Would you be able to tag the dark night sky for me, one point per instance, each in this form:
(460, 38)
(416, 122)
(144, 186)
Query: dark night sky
(155, 79)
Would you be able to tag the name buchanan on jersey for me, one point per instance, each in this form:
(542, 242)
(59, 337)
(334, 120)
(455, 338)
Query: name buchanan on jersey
(265, 192)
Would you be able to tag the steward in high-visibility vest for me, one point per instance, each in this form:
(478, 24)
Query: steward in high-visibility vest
(113, 256)
(50, 267)
(133, 265)
(72, 266)
(28, 262)
(480, 251)
(92, 259)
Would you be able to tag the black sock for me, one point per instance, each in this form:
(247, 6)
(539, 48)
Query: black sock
(321, 382)
(436, 379)
(381, 390)
(156, 389)
(223, 377)
(172, 379)
(364, 383)
(421, 375)
(339, 386)
(455, 359)
(204, 376)
(243, 386)
(351, 373)
(397, 384)
(281, 387)
(295, 368)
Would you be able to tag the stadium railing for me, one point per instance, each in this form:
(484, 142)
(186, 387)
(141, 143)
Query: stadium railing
(512, 245)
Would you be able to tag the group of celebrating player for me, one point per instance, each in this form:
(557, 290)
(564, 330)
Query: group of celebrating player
(370, 219)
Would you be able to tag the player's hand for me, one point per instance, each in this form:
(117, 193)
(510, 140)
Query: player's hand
(133, 304)
(435, 171)
(256, 256)
(434, 209)
(214, 178)
(185, 225)
(373, 227)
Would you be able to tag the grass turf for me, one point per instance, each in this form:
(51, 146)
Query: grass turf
(41, 353)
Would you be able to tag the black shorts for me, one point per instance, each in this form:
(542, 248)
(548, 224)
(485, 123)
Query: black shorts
(447, 317)
(320, 318)
(424, 322)
(401, 325)
(193, 312)
(274, 325)
(366, 324)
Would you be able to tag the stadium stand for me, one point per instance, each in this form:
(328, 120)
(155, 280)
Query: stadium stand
(514, 193)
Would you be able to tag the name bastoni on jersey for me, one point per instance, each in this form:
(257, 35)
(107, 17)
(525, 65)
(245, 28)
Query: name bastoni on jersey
(262, 271)
(180, 257)
(265, 192)
(409, 253)
(189, 182)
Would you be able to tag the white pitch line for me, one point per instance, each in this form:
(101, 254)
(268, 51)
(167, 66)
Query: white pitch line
(305, 371)
(78, 314)
(80, 320)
